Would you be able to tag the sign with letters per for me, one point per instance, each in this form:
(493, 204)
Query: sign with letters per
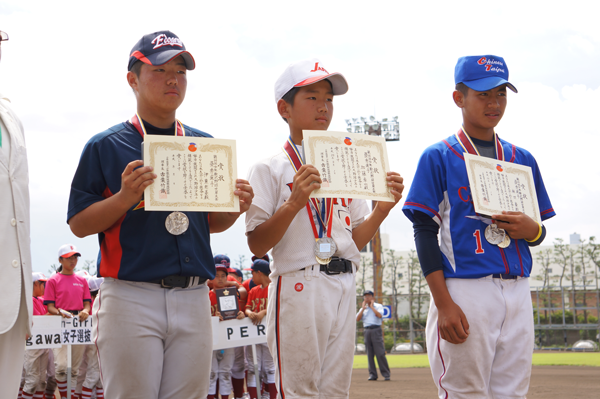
(234, 333)
(351, 165)
(498, 186)
(193, 174)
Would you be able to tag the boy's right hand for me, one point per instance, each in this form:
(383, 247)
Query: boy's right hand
(452, 323)
(306, 180)
(134, 181)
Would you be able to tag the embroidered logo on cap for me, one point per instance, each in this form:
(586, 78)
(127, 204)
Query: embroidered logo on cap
(318, 68)
(162, 40)
(299, 287)
(491, 65)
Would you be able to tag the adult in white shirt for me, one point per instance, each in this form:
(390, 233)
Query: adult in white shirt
(371, 314)
(15, 256)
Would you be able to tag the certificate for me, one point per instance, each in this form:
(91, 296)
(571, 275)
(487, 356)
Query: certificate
(194, 174)
(351, 165)
(227, 302)
(498, 186)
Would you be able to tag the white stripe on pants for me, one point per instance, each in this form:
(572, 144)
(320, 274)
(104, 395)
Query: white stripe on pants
(153, 342)
(495, 360)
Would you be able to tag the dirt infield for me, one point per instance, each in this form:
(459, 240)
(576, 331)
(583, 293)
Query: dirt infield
(548, 382)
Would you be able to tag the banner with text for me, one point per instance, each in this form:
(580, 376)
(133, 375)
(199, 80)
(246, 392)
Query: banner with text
(234, 333)
(54, 331)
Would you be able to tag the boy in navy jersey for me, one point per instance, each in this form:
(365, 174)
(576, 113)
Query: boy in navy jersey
(480, 323)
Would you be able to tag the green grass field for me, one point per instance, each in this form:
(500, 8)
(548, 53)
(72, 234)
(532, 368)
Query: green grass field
(539, 359)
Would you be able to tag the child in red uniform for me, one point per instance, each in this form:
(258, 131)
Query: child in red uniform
(256, 309)
(36, 360)
(70, 293)
(222, 359)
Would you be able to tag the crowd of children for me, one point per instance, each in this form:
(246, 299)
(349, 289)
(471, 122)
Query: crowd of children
(71, 294)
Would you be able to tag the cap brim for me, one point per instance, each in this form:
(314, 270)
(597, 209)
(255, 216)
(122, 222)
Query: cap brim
(338, 82)
(165, 56)
(69, 254)
(490, 83)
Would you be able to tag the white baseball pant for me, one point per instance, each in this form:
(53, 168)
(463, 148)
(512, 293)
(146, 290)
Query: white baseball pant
(153, 342)
(266, 366)
(495, 360)
(222, 361)
(310, 331)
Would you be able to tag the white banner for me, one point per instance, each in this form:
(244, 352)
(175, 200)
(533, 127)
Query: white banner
(234, 333)
(45, 333)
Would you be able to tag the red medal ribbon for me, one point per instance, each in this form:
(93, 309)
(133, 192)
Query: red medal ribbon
(294, 157)
(469, 147)
(139, 125)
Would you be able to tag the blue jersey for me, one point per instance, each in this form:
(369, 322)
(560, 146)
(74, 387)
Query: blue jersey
(138, 246)
(441, 190)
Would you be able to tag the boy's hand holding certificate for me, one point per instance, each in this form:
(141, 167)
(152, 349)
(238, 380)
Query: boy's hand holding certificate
(498, 186)
(351, 165)
(194, 174)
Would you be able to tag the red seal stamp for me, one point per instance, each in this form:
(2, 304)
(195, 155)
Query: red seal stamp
(299, 287)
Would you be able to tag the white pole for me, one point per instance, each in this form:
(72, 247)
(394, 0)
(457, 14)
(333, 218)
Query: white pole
(68, 371)
(256, 376)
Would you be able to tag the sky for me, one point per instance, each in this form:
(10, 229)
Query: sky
(64, 70)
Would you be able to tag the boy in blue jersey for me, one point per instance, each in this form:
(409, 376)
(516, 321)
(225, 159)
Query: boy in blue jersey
(480, 324)
(152, 314)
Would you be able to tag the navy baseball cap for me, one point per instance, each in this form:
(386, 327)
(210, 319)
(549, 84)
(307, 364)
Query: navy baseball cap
(482, 72)
(222, 260)
(368, 292)
(266, 257)
(261, 265)
(158, 48)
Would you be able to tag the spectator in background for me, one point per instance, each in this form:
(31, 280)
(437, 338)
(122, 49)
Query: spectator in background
(371, 313)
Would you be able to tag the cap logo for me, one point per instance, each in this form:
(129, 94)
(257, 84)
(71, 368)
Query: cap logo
(318, 68)
(162, 40)
(71, 247)
(490, 65)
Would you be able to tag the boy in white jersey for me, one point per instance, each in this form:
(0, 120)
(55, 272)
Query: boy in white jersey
(309, 361)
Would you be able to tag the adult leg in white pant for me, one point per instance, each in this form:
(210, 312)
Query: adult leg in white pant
(12, 348)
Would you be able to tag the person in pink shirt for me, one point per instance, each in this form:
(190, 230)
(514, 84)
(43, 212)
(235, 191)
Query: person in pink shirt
(36, 360)
(68, 295)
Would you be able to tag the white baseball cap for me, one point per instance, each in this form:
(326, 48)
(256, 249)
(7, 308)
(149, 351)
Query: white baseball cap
(307, 72)
(94, 282)
(67, 250)
(38, 276)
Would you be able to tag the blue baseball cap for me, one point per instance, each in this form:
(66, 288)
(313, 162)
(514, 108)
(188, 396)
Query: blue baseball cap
(368, 292)
(261, 265)
(158, 48)
(222, 260)
(482, 72)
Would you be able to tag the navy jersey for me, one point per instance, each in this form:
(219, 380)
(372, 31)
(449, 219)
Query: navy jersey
(441, 190)
(138, 246)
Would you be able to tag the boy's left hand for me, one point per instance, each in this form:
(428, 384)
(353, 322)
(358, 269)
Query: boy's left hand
(240, 315)
(395, 182)
(244, 191)
(517, 224)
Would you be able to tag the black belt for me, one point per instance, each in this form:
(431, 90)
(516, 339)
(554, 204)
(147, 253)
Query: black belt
(178, 281)
(73, 312)
(337, 266)
(371, 327)
(504, 276)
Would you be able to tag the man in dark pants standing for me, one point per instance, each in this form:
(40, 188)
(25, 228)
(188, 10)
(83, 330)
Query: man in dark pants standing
(371, 313)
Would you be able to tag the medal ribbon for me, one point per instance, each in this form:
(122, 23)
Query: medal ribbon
(139, 125)
(296, 161)
(468, 146)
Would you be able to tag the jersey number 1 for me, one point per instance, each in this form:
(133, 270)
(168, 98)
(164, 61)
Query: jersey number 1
(477, 235)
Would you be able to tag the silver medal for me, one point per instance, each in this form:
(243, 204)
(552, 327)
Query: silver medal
(506, 241)
(325, 247)
(177, 223)
(494, 235)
